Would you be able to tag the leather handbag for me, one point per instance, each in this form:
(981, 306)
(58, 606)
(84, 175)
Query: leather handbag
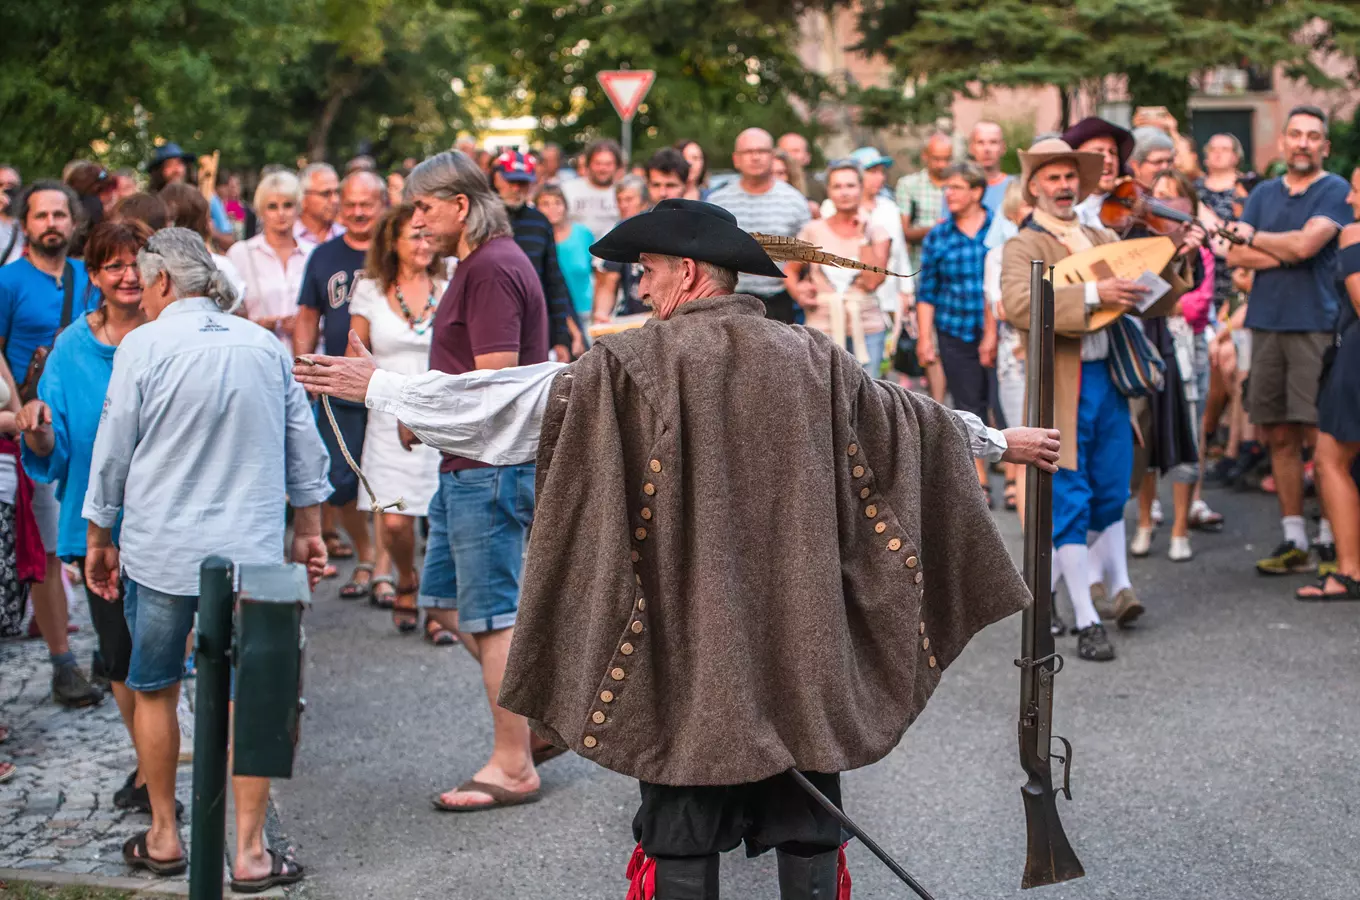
(1136, 367)
(28, 389)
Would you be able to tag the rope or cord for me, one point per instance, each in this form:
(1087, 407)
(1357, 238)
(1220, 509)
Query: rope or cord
(400, 502)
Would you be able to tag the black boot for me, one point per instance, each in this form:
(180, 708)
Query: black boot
(808, 877)
(687, 878)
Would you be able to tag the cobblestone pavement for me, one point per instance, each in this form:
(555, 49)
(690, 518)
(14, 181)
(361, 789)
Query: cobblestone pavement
(57, 813)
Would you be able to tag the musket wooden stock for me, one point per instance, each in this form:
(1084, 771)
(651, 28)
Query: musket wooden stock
(1049, 857)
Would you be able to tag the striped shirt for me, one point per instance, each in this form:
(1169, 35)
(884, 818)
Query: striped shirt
(780, 210)
(534, 234)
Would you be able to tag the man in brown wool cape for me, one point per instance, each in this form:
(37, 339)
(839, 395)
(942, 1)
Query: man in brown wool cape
(747, 556)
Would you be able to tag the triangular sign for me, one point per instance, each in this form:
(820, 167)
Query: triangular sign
(626, 88)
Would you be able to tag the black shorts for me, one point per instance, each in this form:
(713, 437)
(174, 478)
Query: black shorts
(964, 374)
(700, 821)
(111, 628)
(353, 421)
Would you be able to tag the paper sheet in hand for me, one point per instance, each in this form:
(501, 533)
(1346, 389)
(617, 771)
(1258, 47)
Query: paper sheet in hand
(1157, 288)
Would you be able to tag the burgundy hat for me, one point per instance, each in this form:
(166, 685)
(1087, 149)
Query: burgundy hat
(1093, 127)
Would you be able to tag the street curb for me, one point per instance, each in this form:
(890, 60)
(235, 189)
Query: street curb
(139, 887)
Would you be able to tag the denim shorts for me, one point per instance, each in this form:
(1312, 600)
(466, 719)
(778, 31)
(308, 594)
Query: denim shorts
(479, 528)
(159, 624)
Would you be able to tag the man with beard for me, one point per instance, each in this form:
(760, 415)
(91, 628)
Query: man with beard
(1092, 482)
(1291, 225)
(331, 272)
(667, 175)
(590, 199)
(39, 295)
(512, 175)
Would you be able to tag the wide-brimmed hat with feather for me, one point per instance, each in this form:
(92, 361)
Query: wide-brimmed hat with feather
(697, 230)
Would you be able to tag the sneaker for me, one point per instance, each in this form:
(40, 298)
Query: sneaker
(185, 713)
(1101, 599)
(1288, 559)
(1141, 545)
(72, 690)
(1056, 626)
(1094, 644)
(1156, 512)
(1180, 549)
(1127, 608)
(1326, 559)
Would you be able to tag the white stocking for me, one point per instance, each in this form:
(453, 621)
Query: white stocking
(1095, 562)
(1116, 557)
(1073, 559)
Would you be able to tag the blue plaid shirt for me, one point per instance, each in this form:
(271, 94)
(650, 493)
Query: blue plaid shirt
(951, 278)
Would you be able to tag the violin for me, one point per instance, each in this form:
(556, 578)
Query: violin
(1130, 204)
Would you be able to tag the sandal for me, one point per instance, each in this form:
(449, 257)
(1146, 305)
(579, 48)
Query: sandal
(1010, 496)
(406, 618)
(499, 797)
(282, 870)
(136, 856)
(7, 771)
(355, 589)
(1318, 593)
(335, 547)
(382, 599)
(438, 635)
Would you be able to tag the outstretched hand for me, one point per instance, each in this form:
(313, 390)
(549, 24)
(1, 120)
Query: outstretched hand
(342, 377)
(1037, 447)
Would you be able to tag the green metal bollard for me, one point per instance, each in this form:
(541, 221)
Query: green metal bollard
(208, 831)
(268, 657)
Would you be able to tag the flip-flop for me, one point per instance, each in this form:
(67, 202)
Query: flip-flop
(136, 856)
(7, 771)
(499, 797)
(282, 870)
(547, 754)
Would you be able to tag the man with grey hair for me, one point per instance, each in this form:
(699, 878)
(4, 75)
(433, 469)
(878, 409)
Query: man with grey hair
(204, 438)
(323, 302)
(320, 202)
(986, 147)
(492, 316)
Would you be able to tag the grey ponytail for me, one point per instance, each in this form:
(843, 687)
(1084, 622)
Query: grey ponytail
(183, 256)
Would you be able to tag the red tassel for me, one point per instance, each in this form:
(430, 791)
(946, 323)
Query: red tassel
(642, 876)
(842, 877)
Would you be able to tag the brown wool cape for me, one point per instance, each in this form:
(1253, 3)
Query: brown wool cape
(746, 556)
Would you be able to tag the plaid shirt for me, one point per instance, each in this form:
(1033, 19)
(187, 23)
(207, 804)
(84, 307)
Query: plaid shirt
(951, 278)
(923, 203)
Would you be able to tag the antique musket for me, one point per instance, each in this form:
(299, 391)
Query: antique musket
(1049, 858)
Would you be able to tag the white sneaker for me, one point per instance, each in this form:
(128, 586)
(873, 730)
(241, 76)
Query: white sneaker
(1180, 549)
(1156, 512)
(1141, 544)
(185, 713)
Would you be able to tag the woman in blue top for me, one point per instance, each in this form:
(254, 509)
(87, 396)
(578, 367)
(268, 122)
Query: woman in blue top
(59, 429)
(573, 249)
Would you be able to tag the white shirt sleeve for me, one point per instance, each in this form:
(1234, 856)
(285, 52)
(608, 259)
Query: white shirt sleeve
(492, 416)
(986, 443)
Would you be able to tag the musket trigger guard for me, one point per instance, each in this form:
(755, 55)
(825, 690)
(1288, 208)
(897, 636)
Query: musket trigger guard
(1066, 761)
(1055, 658)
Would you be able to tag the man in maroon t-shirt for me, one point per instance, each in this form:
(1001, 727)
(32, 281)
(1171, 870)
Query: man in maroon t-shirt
(493, 316)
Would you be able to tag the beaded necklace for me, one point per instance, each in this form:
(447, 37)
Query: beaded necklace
(422, 324)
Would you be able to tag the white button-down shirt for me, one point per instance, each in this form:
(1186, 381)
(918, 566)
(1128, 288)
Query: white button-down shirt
(204, 436)
(272, 284)
(302, 234)
(494, 415)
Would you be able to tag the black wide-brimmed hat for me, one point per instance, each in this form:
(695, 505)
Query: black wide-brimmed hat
(687, 228)
(1093, 127)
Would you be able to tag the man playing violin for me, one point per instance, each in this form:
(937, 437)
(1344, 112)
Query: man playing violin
(1114, 144)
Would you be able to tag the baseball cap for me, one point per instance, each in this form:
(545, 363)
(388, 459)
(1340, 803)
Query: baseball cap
(515, 166)
(868, 157)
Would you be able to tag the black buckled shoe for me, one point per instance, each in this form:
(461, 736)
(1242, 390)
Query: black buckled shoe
(808, 877)
(1094, 644)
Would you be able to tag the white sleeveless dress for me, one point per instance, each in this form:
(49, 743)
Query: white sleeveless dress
(393, 471)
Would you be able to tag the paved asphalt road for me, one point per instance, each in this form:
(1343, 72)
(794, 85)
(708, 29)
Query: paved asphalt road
(1218, 757)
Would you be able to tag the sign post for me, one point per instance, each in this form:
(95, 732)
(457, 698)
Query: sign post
(625, 88)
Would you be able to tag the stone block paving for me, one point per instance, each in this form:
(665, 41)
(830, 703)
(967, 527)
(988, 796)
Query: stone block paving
(57, 813)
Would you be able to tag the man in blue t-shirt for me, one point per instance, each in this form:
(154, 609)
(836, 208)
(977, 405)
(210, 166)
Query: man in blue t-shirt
(323, 303)
(33, 293)
(1291, 225)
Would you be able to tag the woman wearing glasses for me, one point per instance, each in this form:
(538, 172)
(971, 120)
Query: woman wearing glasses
(59, 430)
(272, 262)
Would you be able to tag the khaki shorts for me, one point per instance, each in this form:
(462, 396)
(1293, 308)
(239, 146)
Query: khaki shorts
(1286, 368)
